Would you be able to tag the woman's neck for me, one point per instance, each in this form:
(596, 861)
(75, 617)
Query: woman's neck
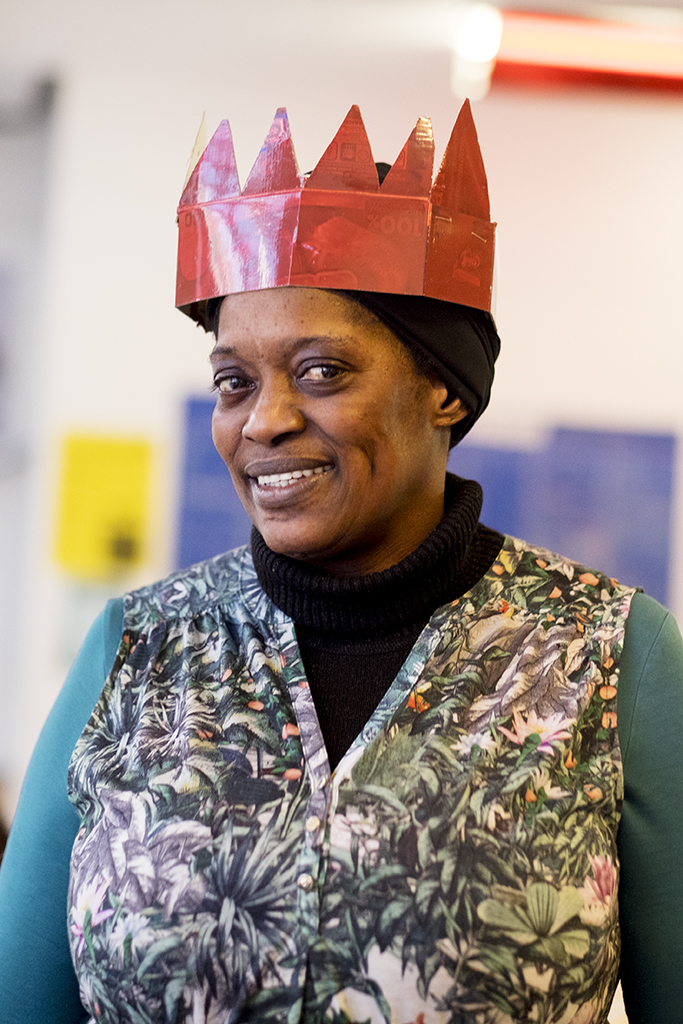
(444, 565)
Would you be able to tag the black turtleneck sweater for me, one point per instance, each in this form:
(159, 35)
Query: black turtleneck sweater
(354, 633)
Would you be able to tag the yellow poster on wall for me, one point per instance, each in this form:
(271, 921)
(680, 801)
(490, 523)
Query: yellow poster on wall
(103, 505)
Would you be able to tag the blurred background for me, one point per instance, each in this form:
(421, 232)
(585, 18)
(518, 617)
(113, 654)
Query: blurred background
(107, 476)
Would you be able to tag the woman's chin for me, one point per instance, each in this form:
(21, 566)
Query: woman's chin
(295, 543)
(304, 522)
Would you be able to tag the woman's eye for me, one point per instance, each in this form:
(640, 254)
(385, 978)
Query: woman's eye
(229, 384)
(321, 372)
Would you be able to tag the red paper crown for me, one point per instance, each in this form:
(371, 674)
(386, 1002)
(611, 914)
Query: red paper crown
(338, 228)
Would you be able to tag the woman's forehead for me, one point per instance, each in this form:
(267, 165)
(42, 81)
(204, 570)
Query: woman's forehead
(300, 304)
(293, 315)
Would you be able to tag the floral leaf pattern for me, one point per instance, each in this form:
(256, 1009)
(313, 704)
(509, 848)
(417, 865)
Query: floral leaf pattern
(458, 867)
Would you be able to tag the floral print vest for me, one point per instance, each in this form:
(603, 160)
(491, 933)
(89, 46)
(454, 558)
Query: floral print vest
(458, 866)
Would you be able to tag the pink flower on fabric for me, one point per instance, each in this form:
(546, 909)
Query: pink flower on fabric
(603, 886)
(599, 892)
(548, 729)
(89, 901)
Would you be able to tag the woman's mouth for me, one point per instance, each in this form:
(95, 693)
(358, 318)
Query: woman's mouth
(285, 479)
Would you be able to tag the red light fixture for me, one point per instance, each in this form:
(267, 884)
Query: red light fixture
(584, 49)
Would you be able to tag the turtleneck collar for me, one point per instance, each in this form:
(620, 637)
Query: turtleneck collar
(445, 565)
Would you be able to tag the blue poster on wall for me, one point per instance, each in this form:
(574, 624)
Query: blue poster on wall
(600, 497)
(211, 516)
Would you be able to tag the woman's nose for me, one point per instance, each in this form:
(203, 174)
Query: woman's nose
(274, 415)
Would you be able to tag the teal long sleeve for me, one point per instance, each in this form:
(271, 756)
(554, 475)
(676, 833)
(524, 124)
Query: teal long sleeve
(37, 982)
(650, 724)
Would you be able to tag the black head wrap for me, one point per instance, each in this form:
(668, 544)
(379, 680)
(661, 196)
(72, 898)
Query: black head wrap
(459, 343)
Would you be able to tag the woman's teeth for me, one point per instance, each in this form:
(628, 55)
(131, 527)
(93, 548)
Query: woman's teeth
(282, 479)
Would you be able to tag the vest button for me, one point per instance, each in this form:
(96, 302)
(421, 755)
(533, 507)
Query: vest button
(313, 823)
(305, 882)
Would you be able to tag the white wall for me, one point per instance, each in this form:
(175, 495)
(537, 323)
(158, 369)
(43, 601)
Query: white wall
(586, 187)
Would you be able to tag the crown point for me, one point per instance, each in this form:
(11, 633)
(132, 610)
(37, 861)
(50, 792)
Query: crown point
(411, 172)
(215, 174)
(460, 185)
(197, 149)
(347, 164)
(275, 168)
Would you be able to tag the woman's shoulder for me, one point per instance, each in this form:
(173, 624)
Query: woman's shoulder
(186, 592)
(540, 569)
(521, 551)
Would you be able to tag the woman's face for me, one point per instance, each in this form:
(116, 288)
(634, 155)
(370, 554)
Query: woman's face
(337, 446)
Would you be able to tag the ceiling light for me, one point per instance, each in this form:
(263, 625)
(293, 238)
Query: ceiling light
(476, 44)
(479, 35)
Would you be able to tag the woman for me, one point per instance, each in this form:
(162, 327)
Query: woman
(368, 769)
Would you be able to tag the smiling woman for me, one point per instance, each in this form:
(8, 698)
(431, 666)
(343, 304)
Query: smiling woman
(383, 763)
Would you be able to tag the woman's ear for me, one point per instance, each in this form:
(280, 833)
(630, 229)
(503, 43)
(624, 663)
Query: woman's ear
(452, 411)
